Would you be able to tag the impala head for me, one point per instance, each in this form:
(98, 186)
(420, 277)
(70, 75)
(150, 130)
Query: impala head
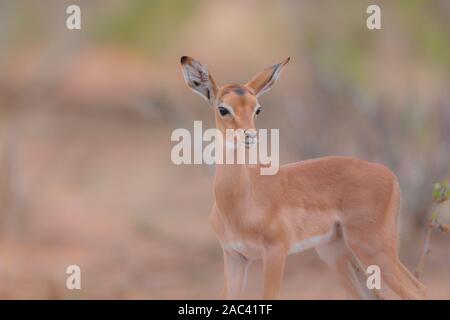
(235, 106)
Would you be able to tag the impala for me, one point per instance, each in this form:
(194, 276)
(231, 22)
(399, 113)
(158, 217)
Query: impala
(345, 208)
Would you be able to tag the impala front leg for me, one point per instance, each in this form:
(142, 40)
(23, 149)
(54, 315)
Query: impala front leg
(236, 267)
(273, 269)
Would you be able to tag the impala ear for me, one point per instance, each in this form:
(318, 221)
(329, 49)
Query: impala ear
(264, 80)
(197, 78)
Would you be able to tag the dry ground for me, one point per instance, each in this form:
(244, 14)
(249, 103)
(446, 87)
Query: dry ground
(100, 191)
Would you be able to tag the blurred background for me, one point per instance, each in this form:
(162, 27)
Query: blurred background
(86, 117)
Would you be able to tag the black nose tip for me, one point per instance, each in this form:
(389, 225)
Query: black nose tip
(183, 59)
(250, 133)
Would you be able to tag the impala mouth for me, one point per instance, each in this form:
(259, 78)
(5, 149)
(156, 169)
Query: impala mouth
(249, 142)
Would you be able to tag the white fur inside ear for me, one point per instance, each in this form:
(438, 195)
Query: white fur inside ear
(272, 80)
(197, 78)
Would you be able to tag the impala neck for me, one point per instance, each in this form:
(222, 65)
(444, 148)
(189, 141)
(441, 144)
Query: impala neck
(245, 171)
(233, 182)
(235, 179)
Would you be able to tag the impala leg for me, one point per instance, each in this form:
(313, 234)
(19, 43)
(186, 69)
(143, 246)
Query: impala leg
(350, 273)
(273, 269)
(393, 272)
(354, 278)
(236, 267)
(398, 278)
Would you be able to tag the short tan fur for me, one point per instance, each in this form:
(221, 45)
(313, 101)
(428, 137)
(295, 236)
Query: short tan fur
(344, 207)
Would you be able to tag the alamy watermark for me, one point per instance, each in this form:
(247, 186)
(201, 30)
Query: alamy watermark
(73, 281)
(235, 146)
(373, 21)
(73, 21)
(374, 277)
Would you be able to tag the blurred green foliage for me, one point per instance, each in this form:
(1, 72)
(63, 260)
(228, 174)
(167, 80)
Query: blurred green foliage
(143, 24)
(346, 53)
(423, 24)
(441, 192)
(428, 26)
(23, 27)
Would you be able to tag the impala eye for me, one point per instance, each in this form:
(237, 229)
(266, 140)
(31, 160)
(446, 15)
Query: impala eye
(223, 111)
(258, 111)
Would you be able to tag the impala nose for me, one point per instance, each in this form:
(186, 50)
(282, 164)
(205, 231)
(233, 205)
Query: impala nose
(250, 133)
(250, 137)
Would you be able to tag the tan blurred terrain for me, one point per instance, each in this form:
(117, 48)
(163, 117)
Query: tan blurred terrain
(86, 118)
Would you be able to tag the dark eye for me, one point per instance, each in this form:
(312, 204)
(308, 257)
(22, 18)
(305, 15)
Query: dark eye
(258, 111)
(223, 111)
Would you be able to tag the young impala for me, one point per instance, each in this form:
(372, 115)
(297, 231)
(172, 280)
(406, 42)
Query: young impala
(344, 207)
